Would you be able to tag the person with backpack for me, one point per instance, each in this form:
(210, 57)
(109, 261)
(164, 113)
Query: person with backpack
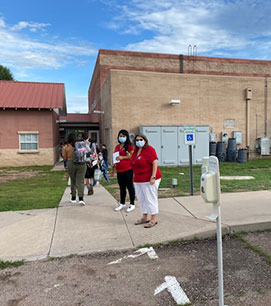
(75, 155)
(92, 164)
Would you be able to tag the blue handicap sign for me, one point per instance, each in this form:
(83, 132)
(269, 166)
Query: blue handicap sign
(189, 137)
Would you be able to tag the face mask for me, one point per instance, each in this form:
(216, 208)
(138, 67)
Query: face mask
(140, 143)
(122, 139)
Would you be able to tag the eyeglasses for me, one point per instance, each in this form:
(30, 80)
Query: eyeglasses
(139, 139)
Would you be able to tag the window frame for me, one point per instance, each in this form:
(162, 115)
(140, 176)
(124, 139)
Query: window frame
(21, 133)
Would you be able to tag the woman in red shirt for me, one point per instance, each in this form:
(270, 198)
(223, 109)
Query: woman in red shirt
(124, 170)
(147, 177)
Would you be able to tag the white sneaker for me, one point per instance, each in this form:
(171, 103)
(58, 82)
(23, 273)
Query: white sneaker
(73, 201)
(120, 207)
(82, 203)
(130, 208)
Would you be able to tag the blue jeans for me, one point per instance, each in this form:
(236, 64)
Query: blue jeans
(105, 170)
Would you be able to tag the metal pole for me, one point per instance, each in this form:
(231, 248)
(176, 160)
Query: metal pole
(220, 258)
(191, 169)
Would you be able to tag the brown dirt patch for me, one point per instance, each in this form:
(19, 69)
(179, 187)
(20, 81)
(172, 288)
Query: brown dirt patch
(10, 175)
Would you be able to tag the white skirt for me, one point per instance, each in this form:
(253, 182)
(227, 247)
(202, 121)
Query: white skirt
(147, 196)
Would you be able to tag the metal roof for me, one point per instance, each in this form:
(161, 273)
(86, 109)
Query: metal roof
(15, 94)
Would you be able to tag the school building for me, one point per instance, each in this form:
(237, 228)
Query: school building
(29, 122)
(133, 90)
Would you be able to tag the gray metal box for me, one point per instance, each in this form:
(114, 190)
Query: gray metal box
(238, 136)
(264, 144)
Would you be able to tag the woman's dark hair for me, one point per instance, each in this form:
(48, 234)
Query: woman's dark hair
(127, 142)
(71, 139)
(85, 136)
(142, 136)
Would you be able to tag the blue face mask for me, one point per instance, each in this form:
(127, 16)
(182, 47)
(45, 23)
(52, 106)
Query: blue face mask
(140, 143)
(122, 139)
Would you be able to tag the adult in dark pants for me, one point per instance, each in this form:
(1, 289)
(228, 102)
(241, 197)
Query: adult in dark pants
(76, 171)
(124, 170)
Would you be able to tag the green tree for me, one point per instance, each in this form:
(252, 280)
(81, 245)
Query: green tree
(5, 74)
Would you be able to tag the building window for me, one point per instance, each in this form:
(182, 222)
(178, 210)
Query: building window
(28, 142)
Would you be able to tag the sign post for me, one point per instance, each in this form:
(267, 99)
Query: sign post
(189, 139)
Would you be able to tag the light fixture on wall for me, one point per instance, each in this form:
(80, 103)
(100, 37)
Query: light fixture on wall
(98, 111)
(174, 101)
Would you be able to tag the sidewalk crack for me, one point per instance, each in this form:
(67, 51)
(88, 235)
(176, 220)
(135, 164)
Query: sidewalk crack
(185, 208)
(53, 234)
(127, 229)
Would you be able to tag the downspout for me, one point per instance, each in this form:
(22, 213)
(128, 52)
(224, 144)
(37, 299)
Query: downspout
(265, 106)
(248, 98)
(248, 124)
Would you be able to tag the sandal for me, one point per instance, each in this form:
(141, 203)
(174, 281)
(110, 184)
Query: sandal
(141, 221)
(150, 224)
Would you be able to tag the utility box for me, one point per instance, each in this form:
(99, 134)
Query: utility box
(238, 136)
(169, 144)
(264, 145)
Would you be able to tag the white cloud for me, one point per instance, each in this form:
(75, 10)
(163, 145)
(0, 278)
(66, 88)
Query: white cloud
(33, 26)
(23, 52)
(77, 104)
(236, 27)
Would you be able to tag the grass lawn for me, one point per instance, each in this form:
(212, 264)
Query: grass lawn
(260, 169)
(34, 187)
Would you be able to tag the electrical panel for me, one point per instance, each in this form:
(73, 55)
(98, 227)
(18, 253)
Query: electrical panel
(238, 136)
(264, 144)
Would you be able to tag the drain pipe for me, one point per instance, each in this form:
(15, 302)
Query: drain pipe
(265, 107)
(248, 98)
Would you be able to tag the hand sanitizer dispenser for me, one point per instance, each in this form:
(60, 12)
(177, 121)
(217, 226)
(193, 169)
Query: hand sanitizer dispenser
(208, 188)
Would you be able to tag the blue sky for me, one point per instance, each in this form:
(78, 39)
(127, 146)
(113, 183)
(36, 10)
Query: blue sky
(58, 41)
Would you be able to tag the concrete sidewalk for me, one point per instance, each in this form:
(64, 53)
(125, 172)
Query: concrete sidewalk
(74, 229)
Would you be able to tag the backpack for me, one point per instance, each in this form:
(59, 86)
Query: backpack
(80, 152)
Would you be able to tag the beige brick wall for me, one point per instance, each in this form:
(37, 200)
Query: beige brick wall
(11, 157)
(227, 67)
(140, 62)
(142, 98)
(106, 106)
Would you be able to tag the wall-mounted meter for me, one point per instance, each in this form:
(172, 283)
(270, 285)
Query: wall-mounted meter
(208, 188)
(224, 137)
